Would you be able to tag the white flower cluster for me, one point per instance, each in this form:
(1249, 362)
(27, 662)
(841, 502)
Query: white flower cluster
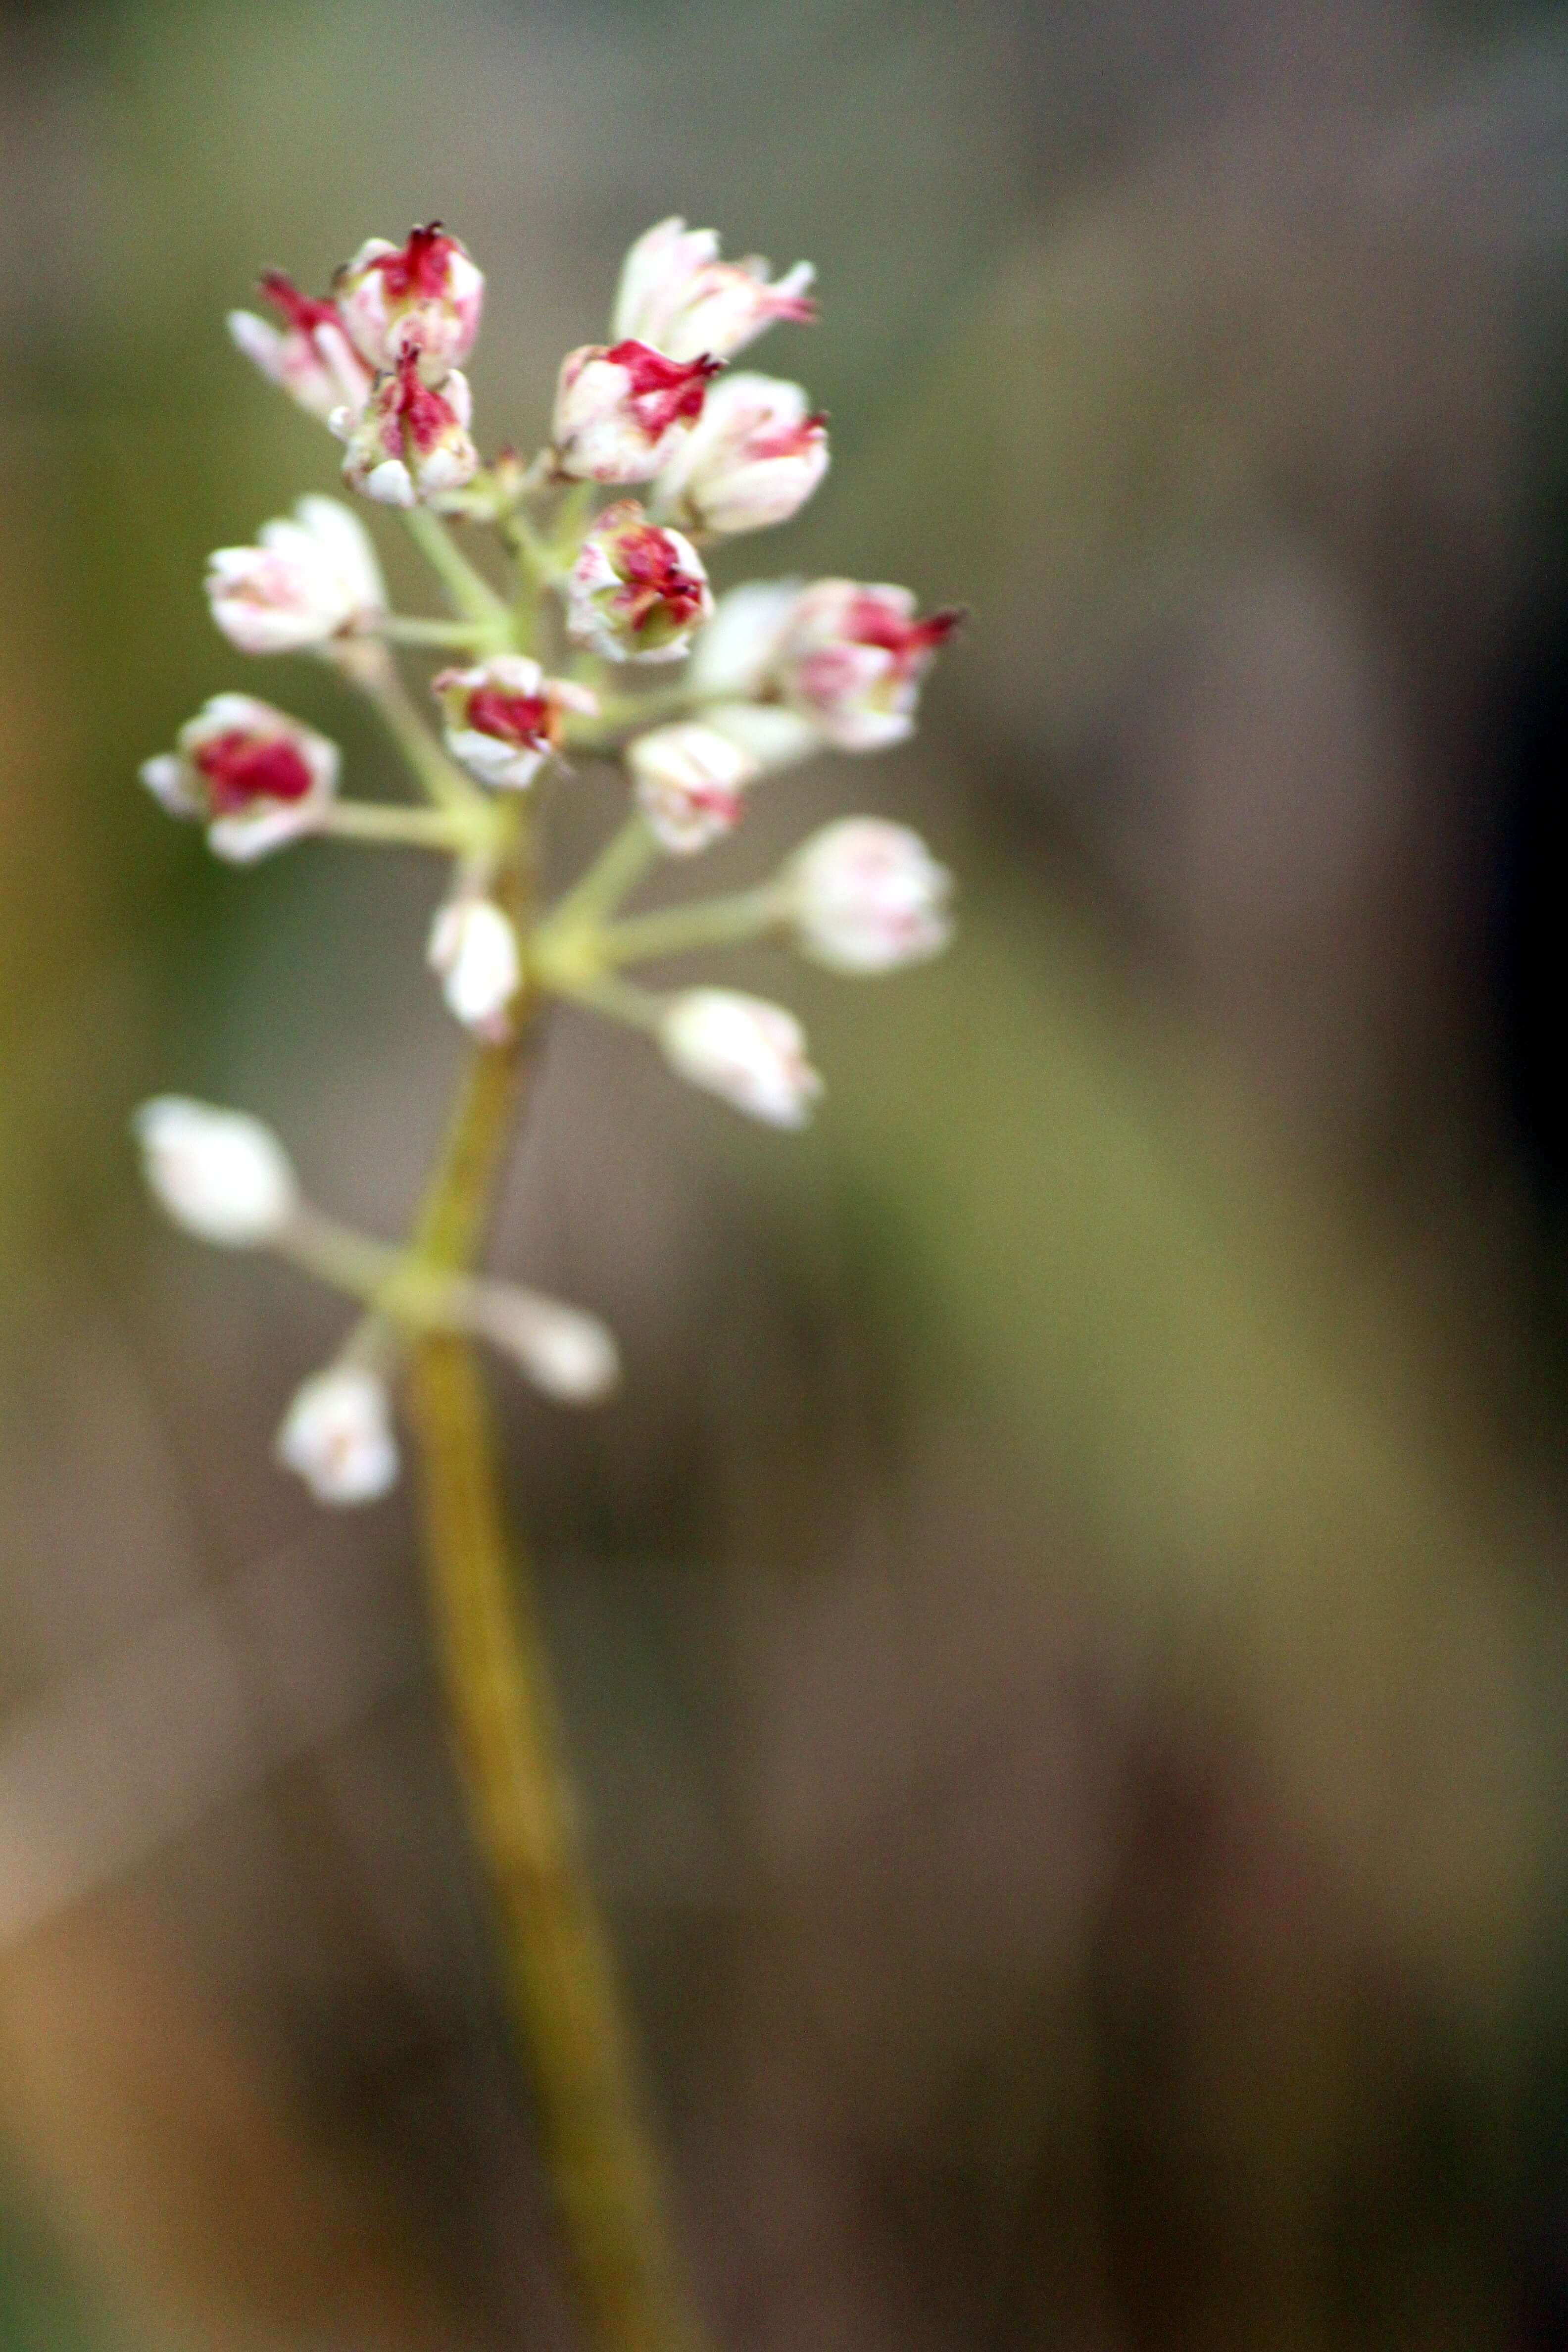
(606, 640)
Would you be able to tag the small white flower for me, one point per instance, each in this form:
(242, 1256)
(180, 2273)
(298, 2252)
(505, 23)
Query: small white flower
(255, 778)
(636, 591)
(337, 1435)
(852, 657)
(423, 296)
(566, 1352)
(750, 1051)
(473, 947)
(306, 580)
(219, 1173)
(621, 410)
(754, 458)
(310, 357)
(676, 294)
(410, 442)
(505, 718)
(866, 896)
(688, 781)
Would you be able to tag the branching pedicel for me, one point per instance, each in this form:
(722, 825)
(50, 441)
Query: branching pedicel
(607, 642)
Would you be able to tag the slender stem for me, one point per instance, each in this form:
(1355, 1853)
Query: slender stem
(706, 923)
(558, 1972)
(441, 778)
(622, 715)
(619, 866)
(401, 631)
(468, 589)
(415, 828)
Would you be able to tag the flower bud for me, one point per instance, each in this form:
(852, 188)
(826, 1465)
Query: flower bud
(622, 410)
(423, 297)
(755, 455)
(688, 779)
(751, 1052)
(411, 441)
(337, 1435)
(735, 661)
(676, 294)
(504, 718)
(306, 580)
(866, 896)
(569, 1354)
(474, 949)
(636, 591)
(851, 659)
(219, 1173)
(253, 776)
(309, 356)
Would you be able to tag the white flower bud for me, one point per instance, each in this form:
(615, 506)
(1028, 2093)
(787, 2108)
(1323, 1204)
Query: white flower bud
(474, 949)
(851, 660)
(754, 458)
(621, 410)
(255, 778)
(750, 1051)
(688, 781)
(411, 440)
(219, 1173)
(306, 580)
(337, 1435)
(866, 896)
(423, 297)
(737, 651)
(567, 1353)
(636, 592)
(310, 357)
(505, 718)
(676, 294)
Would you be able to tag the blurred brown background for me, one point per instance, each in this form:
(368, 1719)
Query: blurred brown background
(1064, 1634)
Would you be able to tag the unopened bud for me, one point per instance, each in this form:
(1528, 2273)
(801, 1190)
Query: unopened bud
(569, 1354)
(750, 1051)
(337, 1435)
(621, 410)
(255, 778)
(473, 949)
(423, 296)
(866, 896)
(676, 294)
(219, 1173)
(504, 718)
(688, 781)
(852, 657)
(636, 591)
(754, 458)
(306, 580)
(411, 441)
(309, 356)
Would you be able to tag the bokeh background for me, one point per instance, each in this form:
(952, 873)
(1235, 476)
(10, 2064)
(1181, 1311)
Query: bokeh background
(1065, 1634)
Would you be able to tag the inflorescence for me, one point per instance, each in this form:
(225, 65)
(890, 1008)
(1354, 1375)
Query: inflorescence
(576, 659)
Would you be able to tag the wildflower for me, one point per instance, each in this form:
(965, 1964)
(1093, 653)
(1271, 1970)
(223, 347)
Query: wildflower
(219, 1173)
(622, 410)
(851, 659)
(569, 1354)
(676, 294)
(423, 297)
(337, 1435)
(636, 591)
(866, 896)
(754, 458)
(310, 357)
(306, 580)
(688, 779)
(411, 440)
(750, 1051)
(504, 717)
(253, 776)
(474, 949)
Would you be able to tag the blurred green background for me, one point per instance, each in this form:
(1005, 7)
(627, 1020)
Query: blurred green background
(1063, 1633)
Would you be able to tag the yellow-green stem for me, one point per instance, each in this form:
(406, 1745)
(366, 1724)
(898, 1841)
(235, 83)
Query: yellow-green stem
(558, 1972)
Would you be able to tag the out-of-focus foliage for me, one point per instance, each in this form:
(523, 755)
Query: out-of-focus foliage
(1064, 1635)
